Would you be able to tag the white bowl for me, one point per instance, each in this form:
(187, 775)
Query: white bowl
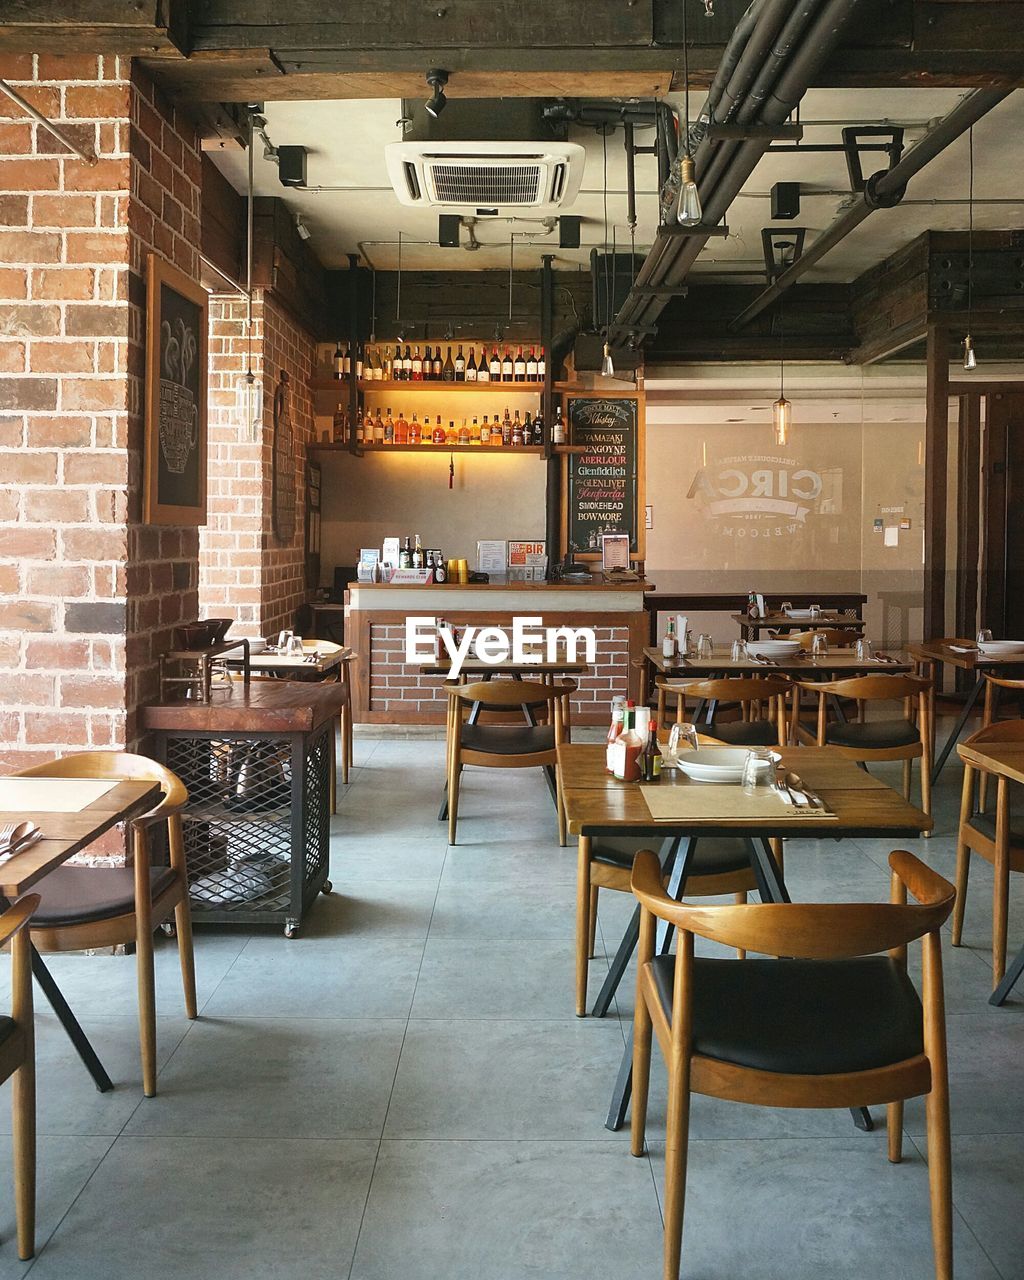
(1001, 646)
(717, 764)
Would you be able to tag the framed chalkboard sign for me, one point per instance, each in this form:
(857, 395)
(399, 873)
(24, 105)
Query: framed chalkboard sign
(603, 486)
(174, 488)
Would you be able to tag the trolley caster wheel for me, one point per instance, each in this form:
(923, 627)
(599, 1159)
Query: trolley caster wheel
(327, 887)
(168, 929)
(291, 929)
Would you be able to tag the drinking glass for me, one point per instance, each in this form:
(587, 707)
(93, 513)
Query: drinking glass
(739, 650)
(785, 606)
(757, 770)
(815, 610)
(677, 734)
(819, 645)
(283, 638)
(865, 649)
(294, 647)
(705, 646)
(984, 635)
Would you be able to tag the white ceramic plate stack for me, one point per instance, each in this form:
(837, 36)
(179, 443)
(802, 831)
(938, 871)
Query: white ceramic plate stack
(996, 648)
(773, 648)
(800, 614)
(716, 764)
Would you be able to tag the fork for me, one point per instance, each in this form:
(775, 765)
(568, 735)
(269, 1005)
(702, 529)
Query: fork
(6, 831)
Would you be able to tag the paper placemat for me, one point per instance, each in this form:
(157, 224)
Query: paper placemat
(51, 795)
(711, 801)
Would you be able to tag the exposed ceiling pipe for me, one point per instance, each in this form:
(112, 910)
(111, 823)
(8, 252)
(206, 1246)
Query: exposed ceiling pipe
(883, 191)
(670, 258)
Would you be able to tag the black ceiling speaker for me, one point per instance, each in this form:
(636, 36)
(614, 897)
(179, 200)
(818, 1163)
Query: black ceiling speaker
(569, 231)
(292, 166)
(448, 225)
(785, 201)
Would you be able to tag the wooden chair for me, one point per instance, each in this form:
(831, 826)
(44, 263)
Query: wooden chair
(18, 1059)
(837, 637)
(502, 746)
(994, 839)
(905, 738)
(990, 707)
(762, 701)
(84, 907)
(838, 1025)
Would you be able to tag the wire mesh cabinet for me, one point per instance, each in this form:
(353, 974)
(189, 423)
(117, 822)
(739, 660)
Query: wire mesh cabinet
(257, 822)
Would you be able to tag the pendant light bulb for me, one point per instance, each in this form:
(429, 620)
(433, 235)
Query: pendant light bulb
(607, 367)
(970, 359)
(782, 420)
(689, 213)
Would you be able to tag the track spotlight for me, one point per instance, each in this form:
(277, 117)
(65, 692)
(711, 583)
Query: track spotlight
(301, 228)
(437, 80)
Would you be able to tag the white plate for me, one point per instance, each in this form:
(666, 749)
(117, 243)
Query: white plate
(716, 764)
(800, 613)
(773, 648)
(1001, 646)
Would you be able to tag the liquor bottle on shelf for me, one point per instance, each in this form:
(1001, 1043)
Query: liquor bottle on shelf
(339, 433)
(474, 432)
(396, 364)
(393, 430)
(519, 367)
(558, 427)
(359, 363)
(415, 431)
(506, 429)
(507, 366)
(416, 372)
(338, 362)
(464, 436)
(471, 367)
(400, 434)
(378, 429)
(541, 366)
(495, 366)
(440, 569)
(448, 369)
(483, 372)
(388, 366)
(437, 365)
(460, 365)
(531, 366)
(485, 431)
(405, 555)
(427, 365)
(517, 431)
(417, 554)
(452, 436)
(364, 426)
(538, 428)
(407, 364)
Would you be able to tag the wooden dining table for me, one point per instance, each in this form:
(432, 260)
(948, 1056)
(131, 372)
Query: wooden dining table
(930, 655)
(855, 804)
(66, 831)
(751, 628)
(1003, 760)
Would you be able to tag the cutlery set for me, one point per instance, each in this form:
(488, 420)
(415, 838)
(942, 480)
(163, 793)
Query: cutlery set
(791, 788)
(17, 836)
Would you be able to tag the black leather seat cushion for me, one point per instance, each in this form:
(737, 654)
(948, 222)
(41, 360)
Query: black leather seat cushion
(508, 739)
(873, 734)
(7, 1026)
(806, 1017)
(80, 895)
(713, 855)
(745, 733)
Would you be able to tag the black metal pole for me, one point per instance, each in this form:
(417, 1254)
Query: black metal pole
(353, 340)
(553, 490)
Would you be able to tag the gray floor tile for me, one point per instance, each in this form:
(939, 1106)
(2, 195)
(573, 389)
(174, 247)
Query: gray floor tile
(67, 1100)
(195, 1208)
(506, 979)
(377, 909)
(276, 1078)
(985, 1054)
(381, 857)
(64, 1165)
(510, 860)
(504, 1080)
(987, 1193)
(496, 911)
(504, 1210)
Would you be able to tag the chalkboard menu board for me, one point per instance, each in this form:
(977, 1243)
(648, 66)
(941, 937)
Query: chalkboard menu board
(601, 486)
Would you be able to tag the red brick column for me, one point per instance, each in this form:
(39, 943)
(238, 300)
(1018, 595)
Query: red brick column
(87, 593)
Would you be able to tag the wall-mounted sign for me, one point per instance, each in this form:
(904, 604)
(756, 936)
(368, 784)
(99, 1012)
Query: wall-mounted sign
(602, 485)
(764, 495)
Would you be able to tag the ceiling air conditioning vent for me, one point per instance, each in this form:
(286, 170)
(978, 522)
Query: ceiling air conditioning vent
(465, 176)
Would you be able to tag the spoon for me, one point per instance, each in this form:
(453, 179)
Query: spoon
(800, 792)
(22, 832)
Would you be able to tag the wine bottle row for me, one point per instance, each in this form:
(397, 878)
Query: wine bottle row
(380, 363)
(511, 431)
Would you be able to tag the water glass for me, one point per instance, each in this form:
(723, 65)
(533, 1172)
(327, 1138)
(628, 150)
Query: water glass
(815, 610)
(739, 651)
(865, 649)
(757, 770)
(984, 635)
(705, 646)
(294, 647)
(283, 638)
(785, 606)
(819, 645)
(679, 733)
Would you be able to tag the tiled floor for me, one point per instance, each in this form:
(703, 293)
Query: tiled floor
(403, 1093)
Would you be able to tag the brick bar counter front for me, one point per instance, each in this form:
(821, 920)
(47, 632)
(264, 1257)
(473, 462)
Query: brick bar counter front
(388, 690)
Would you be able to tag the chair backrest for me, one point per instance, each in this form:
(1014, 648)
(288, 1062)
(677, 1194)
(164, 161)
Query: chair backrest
(1004, 682)
(837, 637)
(1001, 731)
(505, 693)
(730, 688)
(822, 931)
(872, 688)
(123, 765)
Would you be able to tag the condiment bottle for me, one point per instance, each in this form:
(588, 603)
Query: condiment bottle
(614, 730)
(669, 647)
(628, 748)
(651, 762)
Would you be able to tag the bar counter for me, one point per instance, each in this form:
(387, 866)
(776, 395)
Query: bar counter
(387, 690)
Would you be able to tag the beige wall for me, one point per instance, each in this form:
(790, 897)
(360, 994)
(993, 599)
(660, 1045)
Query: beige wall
(495, 495)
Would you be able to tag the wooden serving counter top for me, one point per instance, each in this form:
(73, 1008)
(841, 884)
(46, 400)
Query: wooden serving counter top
(268, 706)
(596, 596)
(597, 583)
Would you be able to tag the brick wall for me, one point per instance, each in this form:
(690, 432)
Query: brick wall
(401, 691)
(73, 556)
